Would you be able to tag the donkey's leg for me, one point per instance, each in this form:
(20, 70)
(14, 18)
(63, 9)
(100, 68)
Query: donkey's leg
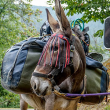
(34, 101)
(23, 104)
(50, 100)
(75, 108)
(75, 104)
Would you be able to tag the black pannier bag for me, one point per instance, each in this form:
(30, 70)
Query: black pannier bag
(18, 64)
(45, 29)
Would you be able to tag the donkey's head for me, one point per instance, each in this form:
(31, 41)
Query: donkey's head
(54, 64)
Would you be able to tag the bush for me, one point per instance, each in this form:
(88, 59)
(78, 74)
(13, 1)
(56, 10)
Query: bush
(9, 100)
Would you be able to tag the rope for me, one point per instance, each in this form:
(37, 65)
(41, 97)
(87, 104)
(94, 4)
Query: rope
(86, 95)
(85, 42)
(47, 35)
(76, 22)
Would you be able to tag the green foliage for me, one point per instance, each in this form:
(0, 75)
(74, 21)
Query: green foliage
(91, 9)
(15, 25)
(99, 33)
(10, 101)
(107, 107)
(98, 48)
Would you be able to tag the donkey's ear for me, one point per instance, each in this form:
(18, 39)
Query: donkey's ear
(53, 23)
(63, 21)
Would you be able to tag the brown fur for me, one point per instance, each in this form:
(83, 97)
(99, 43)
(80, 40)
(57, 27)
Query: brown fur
(67, 83)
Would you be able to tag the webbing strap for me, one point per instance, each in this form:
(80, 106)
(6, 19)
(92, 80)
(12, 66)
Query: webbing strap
(39, 75)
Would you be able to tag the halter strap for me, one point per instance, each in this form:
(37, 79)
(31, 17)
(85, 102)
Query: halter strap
(39, 75)
(50, 76)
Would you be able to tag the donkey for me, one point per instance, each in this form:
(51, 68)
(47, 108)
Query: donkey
(60, 70)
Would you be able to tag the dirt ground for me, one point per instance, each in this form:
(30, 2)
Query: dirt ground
(12, 109)
(102, 106)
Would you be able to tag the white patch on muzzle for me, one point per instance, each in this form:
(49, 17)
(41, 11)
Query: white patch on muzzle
(41, 86)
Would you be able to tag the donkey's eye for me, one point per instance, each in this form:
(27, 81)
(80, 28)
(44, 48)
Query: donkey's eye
(51, 47)
(56, 48)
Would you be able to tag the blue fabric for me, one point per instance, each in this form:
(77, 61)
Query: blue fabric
(10, 58)
(103, 83)
(19, 66)
(8, 62)
(20, 43)
(93, 63)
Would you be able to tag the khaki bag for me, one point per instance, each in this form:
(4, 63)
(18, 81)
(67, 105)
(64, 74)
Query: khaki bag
(97, 81)
(18, 64)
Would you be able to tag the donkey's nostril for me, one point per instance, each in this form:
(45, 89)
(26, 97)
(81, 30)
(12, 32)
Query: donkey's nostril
(35, 86)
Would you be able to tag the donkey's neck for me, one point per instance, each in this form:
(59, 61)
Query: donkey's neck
(77, 79)
(73, 84)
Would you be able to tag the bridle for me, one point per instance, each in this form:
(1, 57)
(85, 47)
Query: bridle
(55, 70)
(49, 76)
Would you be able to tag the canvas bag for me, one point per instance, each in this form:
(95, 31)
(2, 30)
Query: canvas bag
(18, 64)
(97, 81)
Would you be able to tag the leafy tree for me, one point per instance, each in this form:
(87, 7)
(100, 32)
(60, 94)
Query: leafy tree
(91, 9)
(15, 25)
(15, 22)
